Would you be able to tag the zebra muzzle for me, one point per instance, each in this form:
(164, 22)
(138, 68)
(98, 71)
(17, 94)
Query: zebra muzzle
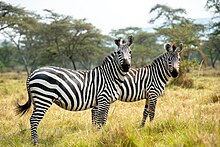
(174, 73)
(126, 65)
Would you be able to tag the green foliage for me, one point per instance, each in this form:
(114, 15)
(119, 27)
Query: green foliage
(178, 29)
(170, 15)
(55, 40)
(9, 56)
(125, 32)
(2, 66)
(10, 15)
(145, 48)
(183, 81)
(187, 65)
(212, 47)
(213, 5)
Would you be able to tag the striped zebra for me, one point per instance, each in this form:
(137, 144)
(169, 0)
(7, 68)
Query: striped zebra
(149, 82)
(77, 90)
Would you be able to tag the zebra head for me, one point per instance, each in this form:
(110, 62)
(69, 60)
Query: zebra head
(173, 58)
(124, 53)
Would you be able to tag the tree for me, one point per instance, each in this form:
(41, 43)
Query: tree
(23, 35)
(21, 27)
(213, 49)
(52, 40)
(178, 29)
(171, 16)
(74, 39)
(214, 6)
(10, 15)
(8, 55)
(145, 48)
(212, 45)
(125, 32)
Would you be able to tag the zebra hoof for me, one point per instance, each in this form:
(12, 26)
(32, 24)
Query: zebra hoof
(35, 142)
(141, 126)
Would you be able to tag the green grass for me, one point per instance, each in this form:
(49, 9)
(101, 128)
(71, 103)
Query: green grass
(184, 117)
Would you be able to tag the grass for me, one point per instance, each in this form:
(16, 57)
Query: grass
(184, 117)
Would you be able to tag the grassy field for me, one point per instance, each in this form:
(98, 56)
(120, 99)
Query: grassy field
(184, 117)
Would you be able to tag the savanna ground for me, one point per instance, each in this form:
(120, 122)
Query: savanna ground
(184, 117)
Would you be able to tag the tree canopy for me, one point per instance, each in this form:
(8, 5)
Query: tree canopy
(33, 40)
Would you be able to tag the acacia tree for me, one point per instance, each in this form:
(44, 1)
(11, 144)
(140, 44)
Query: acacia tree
(214, 6)
(20, 27)
(10, 15)
(176, 28)
(213, 49)
(8, 56)
(74, 39)
(212, 44)
(125, 32)
(145, 48)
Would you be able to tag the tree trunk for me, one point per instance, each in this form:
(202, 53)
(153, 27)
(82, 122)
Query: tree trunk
(216, 58)
(25, 65)
(23, 58)
(211, 59)
(202, 55)
(73, 63)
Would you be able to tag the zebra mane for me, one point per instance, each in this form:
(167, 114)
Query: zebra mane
(161, 56)
(109, 57)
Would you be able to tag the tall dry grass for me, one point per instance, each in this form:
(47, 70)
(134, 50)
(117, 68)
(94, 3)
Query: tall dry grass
(184, 117)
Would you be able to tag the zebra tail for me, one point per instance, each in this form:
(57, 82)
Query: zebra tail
(22, 109)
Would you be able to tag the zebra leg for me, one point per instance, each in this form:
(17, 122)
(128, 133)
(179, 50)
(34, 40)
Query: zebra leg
(39, 110)
(94, 115)
(152, 106)
(145, 114)
(102, 113)
(105, 116)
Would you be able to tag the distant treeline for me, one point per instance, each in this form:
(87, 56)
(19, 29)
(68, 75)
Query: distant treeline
(32, 40)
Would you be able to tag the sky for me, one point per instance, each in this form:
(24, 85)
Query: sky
(113, 14)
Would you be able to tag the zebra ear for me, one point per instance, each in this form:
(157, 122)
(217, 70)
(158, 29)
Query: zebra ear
(179, 49)
(130, 40)
(167, 46)
(118, 41)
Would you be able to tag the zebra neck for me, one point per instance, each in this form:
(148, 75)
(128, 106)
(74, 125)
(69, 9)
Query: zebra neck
(112, 68)
(160, 70)
(113, 74)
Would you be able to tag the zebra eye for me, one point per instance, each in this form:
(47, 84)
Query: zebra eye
(129, 52)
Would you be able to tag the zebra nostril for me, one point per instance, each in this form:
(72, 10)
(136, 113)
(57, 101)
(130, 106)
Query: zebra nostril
(126, 62)
(126, 65)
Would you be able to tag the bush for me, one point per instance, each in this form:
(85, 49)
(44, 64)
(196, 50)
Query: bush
(183, 80)
(2, 67)
(215, 98)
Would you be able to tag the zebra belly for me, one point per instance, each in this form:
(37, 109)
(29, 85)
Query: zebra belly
(133, 97)
(61, 104)
(45, 98)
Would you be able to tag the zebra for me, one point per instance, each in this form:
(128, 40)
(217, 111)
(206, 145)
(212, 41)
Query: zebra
(149, 82)
(77, 90)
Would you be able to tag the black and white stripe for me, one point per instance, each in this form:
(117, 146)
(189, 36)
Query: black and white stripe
(78, 90)
(149, 82)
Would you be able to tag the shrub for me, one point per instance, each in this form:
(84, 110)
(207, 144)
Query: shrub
(215, 98)
(2, 67)
(183, 80)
